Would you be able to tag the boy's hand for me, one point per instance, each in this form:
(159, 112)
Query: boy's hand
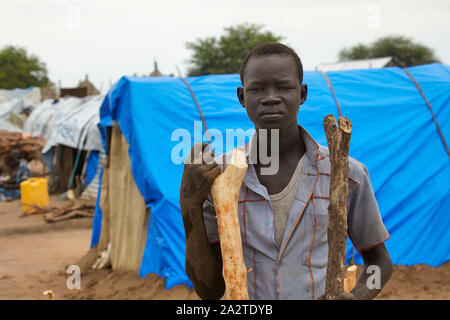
(200, 171)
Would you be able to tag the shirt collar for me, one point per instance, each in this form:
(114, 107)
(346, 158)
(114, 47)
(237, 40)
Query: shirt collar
(312, 147)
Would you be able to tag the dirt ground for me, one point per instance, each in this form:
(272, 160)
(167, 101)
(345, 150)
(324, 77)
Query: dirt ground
(34, 256)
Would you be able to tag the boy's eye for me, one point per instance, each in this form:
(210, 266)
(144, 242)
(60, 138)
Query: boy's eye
(255, 89)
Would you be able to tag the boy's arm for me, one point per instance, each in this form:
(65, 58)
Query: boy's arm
(371, 281)
(203, 260)
(368, 233)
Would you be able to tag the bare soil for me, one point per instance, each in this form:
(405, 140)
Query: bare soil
(34, 256)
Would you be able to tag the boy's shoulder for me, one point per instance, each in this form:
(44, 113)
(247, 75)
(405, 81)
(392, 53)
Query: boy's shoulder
(356, 168)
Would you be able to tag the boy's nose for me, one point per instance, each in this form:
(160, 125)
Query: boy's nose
(271, 99)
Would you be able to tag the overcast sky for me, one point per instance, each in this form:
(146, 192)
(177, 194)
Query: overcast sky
(110, 38)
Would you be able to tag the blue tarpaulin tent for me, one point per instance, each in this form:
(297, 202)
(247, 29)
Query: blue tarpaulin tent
(394, 135)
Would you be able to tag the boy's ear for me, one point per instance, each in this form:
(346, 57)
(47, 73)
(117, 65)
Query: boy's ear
(240, 95)
(304, 92)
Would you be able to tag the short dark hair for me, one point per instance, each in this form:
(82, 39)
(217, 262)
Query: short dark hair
(269, 48)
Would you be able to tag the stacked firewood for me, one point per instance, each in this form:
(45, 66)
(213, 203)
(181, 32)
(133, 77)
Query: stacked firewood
(30, 147)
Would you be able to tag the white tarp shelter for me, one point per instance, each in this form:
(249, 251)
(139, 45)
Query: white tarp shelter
(374, 63)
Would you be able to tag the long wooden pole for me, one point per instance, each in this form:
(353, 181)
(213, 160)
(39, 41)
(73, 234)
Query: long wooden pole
(338, 139)
(225, 193)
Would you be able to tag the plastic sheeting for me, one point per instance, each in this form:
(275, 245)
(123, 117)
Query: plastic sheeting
(78, 128)
(91, 166)
(16, 105)
(93, 184)
(5, 125)
(32, 94)
(70, 121)
(393, 135)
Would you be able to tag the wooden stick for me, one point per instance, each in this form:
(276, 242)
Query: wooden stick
(338, 139)
(350, 278)
(49, 295)
(225, 193)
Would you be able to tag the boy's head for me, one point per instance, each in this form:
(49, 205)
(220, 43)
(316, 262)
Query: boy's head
(272, 48)
(272, 91)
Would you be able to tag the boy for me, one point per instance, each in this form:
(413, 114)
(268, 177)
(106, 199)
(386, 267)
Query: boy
(283, 216)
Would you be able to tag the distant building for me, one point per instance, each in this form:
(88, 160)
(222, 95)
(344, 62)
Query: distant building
(91, 89)
(374, 63)
(85, 88)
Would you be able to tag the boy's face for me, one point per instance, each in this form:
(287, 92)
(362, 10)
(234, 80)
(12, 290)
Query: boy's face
(272, 92)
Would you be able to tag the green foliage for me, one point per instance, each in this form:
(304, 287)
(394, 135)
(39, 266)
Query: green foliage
(225, 54)
(404, 49)
(20, 70)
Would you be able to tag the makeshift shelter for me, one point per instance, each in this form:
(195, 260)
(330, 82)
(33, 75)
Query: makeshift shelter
(8, 126)
(32, 94)
(398, 133)
(73, 145)
(16, 108)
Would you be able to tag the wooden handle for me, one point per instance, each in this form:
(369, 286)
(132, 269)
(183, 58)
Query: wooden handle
(225, 193)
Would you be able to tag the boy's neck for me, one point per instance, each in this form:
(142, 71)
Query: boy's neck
(290, 143)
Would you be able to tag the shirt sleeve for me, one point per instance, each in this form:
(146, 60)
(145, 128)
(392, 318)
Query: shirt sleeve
(210, 220)
(365, 226)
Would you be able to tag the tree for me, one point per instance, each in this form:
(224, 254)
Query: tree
(225, 54)
(403, 48)
(20, 70)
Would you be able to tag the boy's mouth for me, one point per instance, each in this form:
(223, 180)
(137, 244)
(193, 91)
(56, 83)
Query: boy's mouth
(271, 112)
(271, 116)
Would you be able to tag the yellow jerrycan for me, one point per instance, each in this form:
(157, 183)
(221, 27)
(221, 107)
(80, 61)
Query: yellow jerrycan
(34, 192)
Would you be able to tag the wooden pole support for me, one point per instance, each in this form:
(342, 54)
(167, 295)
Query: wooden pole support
(338, 139)
(225, 193)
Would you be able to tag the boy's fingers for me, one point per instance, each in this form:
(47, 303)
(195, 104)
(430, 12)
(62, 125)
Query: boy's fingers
(195, 156)
(215, 170)
(208, 156)
(201, 153)
(205, 146)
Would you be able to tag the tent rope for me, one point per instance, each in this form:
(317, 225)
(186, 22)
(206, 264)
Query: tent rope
(199, 111)
(429, 108)
(332, 91)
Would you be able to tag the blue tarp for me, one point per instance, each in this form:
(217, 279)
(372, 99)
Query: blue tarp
(91, 166)
(393, 135)
(97, 223)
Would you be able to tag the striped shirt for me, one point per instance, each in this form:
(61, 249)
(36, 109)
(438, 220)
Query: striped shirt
(297, 269)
